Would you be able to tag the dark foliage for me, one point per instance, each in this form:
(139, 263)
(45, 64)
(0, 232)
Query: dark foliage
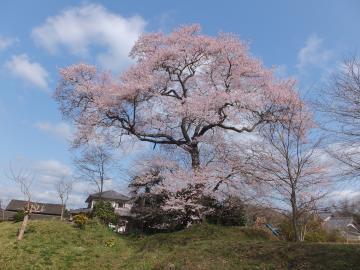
(104, 212)
(19, 216)
(230, 212)
(149, 217)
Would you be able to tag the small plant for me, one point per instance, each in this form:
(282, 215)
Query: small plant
(81, 220)
(110, 243)
(19, 216)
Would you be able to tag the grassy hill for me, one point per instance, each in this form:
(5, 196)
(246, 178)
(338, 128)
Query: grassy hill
(58, 245)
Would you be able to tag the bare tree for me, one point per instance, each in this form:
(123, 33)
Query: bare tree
(2, 209)
(63, 189)
(340, 109)
(24, 179)
(288, 163)
(94, 165)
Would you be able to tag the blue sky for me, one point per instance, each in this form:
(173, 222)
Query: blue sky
(303, 39)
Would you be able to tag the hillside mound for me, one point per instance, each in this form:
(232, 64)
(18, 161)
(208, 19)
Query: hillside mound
(59, 245)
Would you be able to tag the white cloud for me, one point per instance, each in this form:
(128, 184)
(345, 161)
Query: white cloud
(78, 28)
(52, 168)
(6, 42)
(46, 173)
(313, 53)
(60, 130)
(32, 72)
(344, 194)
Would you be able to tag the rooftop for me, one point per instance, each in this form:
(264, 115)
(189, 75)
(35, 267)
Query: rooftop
(44, 208)
(108, 195)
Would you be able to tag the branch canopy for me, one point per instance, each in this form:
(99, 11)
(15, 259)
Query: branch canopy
(181, 86)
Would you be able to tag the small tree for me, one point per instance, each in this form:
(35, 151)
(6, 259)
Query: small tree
(81, 220)
(340, 110)
(94, 164)
(63, 189)
(24, 179)
(288, 163)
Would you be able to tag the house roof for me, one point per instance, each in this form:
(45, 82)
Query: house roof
(80, 211)
(44, 208)
(108, 195)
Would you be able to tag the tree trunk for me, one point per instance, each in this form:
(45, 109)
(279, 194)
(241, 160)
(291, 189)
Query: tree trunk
(101, 188)
(195, 157)
(23, 227)
(294, 217)
(62, 212)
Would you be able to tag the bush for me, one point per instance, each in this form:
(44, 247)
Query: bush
(316, 236)
(148, 215)
(80, 220)
(105, 213)
(230, 212)
(314, 232)
(334, 236)
(19, 216)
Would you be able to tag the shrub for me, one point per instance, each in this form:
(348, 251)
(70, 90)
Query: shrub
(316, 236)
(148, 215)
(229, 212)
(80, 220)
(110, 243)
(19, 216)
(105, 213)
(314, 232)
(334, 236)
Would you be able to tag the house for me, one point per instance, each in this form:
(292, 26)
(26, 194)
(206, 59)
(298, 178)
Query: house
(121, 204)
(44, 210)
(346, 226)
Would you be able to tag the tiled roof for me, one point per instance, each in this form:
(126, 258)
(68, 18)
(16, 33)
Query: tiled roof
(44, 208)
(109, 195)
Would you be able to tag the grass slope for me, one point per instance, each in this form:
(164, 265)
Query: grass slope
(58, 245)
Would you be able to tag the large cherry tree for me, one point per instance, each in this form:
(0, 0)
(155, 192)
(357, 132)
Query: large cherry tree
(183, 89)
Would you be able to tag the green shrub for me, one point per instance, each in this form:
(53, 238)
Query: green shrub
(110, 243)
(229, 212)
(105, 213)
(286, 230)
(314, 232)
(319, 235)
(19, 216)
(334, 236)
(80, 220)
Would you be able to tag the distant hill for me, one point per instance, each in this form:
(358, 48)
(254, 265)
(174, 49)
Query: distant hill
(58, 245)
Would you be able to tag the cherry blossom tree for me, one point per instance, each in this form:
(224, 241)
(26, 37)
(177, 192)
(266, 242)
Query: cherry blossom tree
(186, 92)
(183, 90)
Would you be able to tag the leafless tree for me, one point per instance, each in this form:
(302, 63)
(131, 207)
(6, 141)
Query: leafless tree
(94, 165)
(287, 161)
(63, 189)
(24, 178)
(2, 209)
(339, 107)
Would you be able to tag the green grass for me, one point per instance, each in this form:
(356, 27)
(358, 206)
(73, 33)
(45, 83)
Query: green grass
(59, 245)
